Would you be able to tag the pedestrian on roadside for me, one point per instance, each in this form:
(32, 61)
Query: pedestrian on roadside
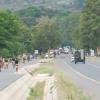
(16, 64)
(54, 53)
(28, 58)
(1, 64)
(13, 62)
(6, 63)
(31, 57)
(24, 58)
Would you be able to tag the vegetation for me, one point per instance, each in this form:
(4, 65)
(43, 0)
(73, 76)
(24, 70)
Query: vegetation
(52, 4)
(45, 69)
(10, 36)
(45, 28)
(37, 92)
(90, 26)
(65, 20)
(31, 14)
(66, 90)
(47, 34)
(88, 31)
(67, 26)
(16, 37)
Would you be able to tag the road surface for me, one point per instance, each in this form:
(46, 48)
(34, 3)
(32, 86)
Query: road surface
(86, 76)
(8, 76)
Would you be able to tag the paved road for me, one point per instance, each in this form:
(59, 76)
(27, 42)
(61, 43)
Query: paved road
(7, 76)
(90, 69)
(86, 76)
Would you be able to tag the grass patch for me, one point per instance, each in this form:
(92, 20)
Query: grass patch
(44, 68)
(66, 90)
(37, 92)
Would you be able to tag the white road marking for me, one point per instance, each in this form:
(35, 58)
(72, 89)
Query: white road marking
(82, 75)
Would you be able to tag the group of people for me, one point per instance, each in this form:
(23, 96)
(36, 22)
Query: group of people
(4, 62)
(52, 53)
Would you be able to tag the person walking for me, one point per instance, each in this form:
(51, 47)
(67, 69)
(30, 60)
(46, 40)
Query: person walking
(28, 58)
(13, 62)
(54, 53)
(16, 64)
(24, 58)
(6, 63)
(1, 64)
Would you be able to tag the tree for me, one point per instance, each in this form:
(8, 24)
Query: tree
(68, 26)
(10, 40)
(27, 38)
(46, 33)
(90, 24)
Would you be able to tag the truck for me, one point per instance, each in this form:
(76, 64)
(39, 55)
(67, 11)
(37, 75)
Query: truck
(79, 56)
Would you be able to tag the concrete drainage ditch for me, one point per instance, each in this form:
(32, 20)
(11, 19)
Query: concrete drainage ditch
(20, 89)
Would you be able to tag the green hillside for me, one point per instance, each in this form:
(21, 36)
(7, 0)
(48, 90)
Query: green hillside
(51, 8)
(30, 14)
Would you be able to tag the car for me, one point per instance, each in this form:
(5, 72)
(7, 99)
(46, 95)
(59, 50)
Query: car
(66, 52)
(72, 59)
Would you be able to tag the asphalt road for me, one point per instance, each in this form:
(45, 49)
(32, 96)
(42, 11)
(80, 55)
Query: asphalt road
(86, 76)
(90, 69)
(8, 76)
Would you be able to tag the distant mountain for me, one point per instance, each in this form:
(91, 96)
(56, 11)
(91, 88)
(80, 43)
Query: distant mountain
(48, 4)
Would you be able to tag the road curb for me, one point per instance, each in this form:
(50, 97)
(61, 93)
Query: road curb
(19, 89)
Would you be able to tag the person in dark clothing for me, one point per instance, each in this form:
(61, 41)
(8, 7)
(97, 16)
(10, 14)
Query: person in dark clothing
(54, 54)
(16, 64)
(40, 51)
(28, 58)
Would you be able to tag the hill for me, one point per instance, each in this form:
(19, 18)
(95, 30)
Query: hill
(50, 4)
